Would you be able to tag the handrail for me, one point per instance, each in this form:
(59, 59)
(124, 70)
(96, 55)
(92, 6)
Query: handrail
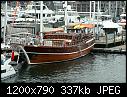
(28, 60)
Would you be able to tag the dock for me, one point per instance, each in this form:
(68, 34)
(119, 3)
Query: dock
(114, 50)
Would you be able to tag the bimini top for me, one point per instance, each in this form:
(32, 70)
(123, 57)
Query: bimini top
(81, 26)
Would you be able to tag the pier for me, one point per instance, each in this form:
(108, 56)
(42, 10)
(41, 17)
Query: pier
(114, 45)
(115, 50)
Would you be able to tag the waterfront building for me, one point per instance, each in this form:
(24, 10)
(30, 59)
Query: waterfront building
(109, 7)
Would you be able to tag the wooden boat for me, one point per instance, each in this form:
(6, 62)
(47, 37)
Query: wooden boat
(58, 46)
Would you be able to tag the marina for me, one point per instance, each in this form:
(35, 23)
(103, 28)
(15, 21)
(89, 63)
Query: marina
(61, 45)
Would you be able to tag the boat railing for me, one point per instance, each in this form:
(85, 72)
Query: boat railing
(59, 42)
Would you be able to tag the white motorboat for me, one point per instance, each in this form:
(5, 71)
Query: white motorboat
(122, 21)
(5, 47)
(7, 70)
(33, 11)
(12, 13)
(72, 15)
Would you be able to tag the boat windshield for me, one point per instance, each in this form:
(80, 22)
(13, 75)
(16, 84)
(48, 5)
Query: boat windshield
(2, 62)
(3, 58)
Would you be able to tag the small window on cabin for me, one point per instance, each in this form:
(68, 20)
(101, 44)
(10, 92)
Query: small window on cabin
(43, 15)
(33, 7)
(9, 15)
(124, 17)
(38, 7)
(48, 15)
(38, 16)
(44, 7)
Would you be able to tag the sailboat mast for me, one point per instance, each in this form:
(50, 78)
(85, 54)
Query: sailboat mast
(90, 9)
(41, 22)
(5, 21)
(35, 17)
(116, 10)
(97, 33)
(65, 9)
(109, 7)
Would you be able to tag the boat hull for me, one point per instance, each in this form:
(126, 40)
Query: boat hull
(39, 58)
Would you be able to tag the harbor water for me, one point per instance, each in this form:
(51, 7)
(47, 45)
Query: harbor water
(92, 68)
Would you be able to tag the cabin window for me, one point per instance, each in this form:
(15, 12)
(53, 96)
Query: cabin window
(44, 7)
(3, 71)
(38, 16)
(48, 15)
(9, 15)
(2, 62)
(123, 17)
(53, 14)
(43, 15)
(33, 7)
(38, 7)
(37, 3)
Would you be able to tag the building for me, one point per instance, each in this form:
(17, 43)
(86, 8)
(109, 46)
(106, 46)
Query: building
(114, 8)
(109, 7)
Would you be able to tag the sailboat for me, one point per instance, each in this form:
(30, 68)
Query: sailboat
(60, 45)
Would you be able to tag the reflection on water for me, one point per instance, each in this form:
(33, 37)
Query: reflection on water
(93, 68)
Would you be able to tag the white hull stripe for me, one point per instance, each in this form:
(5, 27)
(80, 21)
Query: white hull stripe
(89, 40)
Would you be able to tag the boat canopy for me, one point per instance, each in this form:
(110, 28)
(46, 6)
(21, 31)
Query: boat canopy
(53, 30)
(109, 24)
(57, 30)
(80, 26)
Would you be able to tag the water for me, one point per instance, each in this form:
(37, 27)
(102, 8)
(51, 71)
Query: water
(93, 68)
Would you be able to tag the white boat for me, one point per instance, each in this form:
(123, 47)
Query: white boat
(7, 70)
(33, 11)
(122, 21)
(72, 15)
(12, 14)
(5, 47)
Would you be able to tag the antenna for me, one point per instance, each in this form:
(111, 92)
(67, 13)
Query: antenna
(5, 22)
(41, 21)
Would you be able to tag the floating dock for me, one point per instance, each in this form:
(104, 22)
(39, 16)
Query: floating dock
(115, 50)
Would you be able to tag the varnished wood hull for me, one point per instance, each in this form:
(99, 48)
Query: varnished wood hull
(41, 57)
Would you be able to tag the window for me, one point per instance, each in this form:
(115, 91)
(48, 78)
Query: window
(37, 15)
(44, 7)
(43, 15)
(48, 15)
